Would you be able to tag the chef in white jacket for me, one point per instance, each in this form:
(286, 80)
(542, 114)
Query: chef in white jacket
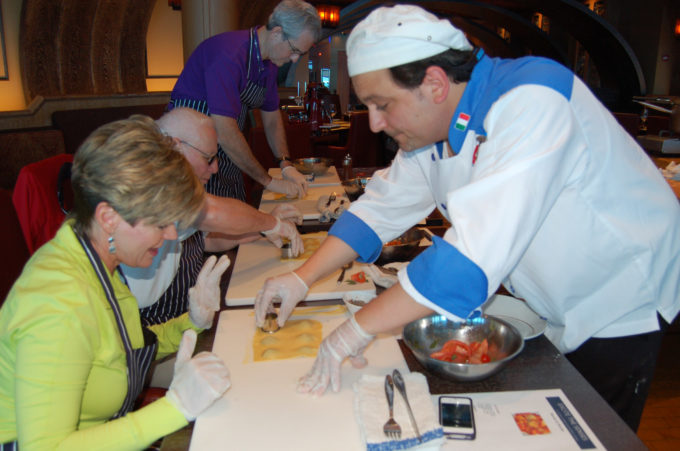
(545, 192)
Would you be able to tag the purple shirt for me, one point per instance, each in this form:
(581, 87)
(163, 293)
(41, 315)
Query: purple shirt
(217, 72)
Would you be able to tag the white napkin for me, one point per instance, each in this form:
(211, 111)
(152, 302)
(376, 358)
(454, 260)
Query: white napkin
(333, 209)
(370, 407)
(382, 278)
(672, 171)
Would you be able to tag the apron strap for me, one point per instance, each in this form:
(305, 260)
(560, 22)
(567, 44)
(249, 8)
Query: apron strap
(138, 360)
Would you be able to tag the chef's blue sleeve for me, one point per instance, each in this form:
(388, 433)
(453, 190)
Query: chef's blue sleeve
(358, 235)
(448, 279)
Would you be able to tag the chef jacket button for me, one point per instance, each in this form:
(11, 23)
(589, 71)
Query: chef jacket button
(443, 206)
(432, 156)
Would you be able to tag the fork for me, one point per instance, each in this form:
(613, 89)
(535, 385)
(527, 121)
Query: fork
(391, 428)
(331, 198)
(399, 381)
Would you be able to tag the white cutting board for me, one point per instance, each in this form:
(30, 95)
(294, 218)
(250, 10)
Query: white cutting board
(329, 178)
(263, 411)
(306, 205)
(258, 260)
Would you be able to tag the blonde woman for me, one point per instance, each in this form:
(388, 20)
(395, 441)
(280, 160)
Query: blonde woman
(74, 354)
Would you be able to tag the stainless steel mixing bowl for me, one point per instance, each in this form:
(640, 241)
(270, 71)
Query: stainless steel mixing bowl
(313, 165)
(427, 335)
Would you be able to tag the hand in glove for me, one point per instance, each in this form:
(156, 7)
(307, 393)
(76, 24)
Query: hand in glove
(285, 229)
(197, 382)
(348, 340)
(290, 189)
(292, 174)
(289, 288)
(289, 212)
(204, 297)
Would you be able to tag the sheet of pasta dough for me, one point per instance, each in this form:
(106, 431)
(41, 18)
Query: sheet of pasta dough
(311, 244)
(297, 338)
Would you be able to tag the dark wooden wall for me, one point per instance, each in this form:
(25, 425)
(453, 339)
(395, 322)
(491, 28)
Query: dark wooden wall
(83, 47)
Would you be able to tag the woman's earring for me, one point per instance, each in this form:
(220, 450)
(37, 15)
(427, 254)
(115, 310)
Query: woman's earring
(112, 246)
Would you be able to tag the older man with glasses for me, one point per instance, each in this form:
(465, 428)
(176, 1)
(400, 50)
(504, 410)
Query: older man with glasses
(162, 289)
(234, 72)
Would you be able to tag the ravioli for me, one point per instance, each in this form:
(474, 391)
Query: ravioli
(311, 244)
(298, 338)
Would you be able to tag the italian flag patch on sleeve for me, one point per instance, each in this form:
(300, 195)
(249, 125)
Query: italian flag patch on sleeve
(462, 121)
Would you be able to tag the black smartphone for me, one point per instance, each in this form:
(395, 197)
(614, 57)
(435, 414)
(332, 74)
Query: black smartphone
(456, 417)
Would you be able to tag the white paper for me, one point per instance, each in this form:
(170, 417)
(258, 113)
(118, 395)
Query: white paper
(498, 416)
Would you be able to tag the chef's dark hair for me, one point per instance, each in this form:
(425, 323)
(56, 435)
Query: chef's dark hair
(457, 64)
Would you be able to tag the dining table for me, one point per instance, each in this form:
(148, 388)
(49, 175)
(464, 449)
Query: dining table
(260, 413)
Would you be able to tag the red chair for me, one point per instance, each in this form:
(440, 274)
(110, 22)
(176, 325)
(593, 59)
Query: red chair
(36, 200)
(12, 245)
(365, 147)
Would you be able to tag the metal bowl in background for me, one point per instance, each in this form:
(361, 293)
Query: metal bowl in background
(313, 165)
(402, 248)
(355, 187)
(427, 335)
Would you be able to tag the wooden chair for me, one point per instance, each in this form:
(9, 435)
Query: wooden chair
(365, 147)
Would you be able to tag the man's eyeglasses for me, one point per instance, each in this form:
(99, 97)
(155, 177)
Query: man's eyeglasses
(209, 158)
(294, 50)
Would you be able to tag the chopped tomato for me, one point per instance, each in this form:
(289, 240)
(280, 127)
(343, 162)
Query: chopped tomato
(359, 277)
(452, 346)
(459, 352)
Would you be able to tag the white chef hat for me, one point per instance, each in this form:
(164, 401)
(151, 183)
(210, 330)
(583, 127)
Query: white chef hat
(391, 36)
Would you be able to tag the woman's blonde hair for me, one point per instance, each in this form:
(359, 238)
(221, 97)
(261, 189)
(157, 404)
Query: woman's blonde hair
(134, 167)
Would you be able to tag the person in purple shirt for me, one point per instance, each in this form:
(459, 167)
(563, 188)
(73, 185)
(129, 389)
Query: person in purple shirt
(233, 72)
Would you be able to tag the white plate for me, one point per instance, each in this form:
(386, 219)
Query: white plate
(517, 313)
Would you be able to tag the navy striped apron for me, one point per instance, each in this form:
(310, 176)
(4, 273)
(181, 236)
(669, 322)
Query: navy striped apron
(228, 182)
(138, 360)
(175, 300)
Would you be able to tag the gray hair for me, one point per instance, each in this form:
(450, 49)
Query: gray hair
(184, 123)
(294, 17)
(134, 167)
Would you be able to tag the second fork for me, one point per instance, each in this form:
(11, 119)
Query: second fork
(391, 428)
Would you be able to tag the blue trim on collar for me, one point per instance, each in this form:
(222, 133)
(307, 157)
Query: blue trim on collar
(358, 235)
(493, 77)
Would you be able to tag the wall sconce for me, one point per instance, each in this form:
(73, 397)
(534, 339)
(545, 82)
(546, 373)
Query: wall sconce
(677, 28)
(329, 15)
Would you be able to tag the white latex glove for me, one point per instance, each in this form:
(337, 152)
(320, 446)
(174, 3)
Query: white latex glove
(289, 212)
(292, 174)
(288, 288)
(348, 340)
(197, 382)
(290, 189)
(204, 297)
(285, 229)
